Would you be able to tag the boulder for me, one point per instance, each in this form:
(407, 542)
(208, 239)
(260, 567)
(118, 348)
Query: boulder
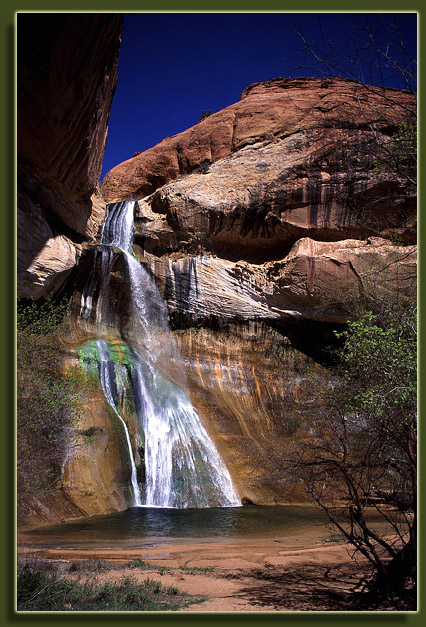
(255, 204)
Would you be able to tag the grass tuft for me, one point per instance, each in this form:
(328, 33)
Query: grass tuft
(46, 589)
(140, 564)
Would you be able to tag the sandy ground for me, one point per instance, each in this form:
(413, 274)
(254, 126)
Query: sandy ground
(261, 575)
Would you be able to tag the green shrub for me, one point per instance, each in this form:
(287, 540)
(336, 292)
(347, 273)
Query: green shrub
(48, 400)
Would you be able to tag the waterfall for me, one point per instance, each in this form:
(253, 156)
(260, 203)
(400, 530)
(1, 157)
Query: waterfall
(182, 467)
(107, 383)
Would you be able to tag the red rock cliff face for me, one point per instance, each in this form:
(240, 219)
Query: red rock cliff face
(268, 111)
(66, 76)
(294, 158)
(262, 225)
(259, 225)
(296, 164)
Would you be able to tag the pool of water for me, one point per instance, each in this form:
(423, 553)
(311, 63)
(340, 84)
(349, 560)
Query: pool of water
(143, 523)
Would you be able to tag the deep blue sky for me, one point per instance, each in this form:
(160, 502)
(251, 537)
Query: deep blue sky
(172, 66)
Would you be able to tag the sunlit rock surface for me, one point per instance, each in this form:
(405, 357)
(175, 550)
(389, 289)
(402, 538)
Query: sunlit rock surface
(96, 472)
(323, 111)
(303, 285)
(255, 204)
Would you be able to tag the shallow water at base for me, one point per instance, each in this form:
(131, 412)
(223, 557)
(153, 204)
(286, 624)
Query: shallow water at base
(170, 525)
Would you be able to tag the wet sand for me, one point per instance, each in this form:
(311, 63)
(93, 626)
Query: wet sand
(282, 573)
(293, 562)
(217, 553)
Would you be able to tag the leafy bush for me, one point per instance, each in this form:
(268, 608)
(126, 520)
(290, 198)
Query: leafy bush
(361, 450)
(47, 400)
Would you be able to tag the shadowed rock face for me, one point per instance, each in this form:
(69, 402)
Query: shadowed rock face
(66, 77)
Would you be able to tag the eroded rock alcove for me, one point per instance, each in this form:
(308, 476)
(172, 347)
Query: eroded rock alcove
(260, 226)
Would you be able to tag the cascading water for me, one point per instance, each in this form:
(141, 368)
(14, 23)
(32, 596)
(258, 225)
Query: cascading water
(108, 382)
(182, 467)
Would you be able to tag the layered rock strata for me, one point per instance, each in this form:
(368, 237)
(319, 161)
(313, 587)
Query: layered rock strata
(254, 387)
(251, 379)
(254, 341)
(303, 285)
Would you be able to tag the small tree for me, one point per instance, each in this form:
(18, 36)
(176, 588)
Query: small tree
(398, 154)
(360, 455)
(374, 51)
(205, 114)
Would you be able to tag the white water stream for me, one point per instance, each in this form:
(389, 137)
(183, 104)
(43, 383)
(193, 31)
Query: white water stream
(182, 465)
(106, 375)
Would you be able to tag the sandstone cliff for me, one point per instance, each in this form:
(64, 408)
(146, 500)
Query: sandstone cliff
(318, 113)
(261, 226)
(263, 208)
(66, 77)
